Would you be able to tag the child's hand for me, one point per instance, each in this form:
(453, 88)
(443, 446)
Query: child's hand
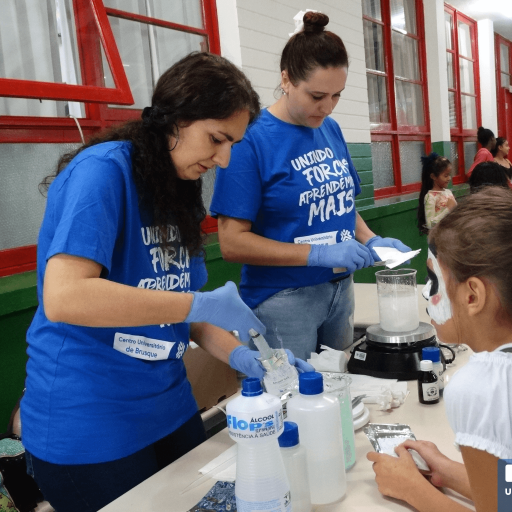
(397, 477)
(451, 203)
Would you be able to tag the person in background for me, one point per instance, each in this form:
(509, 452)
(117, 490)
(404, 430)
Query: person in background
(435, 200)
(120, 259)
(500, 154)
(470, 301)
(488, 174)
(488, 142)
(286, 203)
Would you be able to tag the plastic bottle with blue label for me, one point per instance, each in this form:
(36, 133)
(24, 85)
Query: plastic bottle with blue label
(255, 421)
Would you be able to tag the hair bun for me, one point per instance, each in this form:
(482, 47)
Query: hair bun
(315, 21)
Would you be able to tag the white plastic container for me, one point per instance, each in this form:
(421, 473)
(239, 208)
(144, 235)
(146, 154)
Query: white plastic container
(295, 463)
(318, 418)
(255, 421)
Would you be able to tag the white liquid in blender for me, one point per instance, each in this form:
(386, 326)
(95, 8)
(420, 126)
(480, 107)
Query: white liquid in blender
(399, 311)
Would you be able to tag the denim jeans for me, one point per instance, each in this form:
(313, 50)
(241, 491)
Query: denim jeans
(89, 487)
(305, 318)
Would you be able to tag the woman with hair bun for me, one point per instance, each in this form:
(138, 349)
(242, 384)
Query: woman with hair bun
(487, 140)
(286, 202)
(107, 401)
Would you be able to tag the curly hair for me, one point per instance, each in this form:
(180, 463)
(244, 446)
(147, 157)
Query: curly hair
(199, 86)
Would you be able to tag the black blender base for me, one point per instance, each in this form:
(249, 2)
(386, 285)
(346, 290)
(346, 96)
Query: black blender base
(387, 363)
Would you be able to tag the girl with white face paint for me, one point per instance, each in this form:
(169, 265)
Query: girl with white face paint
(469, 295)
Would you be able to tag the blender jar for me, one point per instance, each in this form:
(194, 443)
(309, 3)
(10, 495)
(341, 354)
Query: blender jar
(398, 300)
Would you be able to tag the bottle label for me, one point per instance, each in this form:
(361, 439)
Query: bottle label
(261, 424)
(360, 355)
(278, 505)
(430, 391)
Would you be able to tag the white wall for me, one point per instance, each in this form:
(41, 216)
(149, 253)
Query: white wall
(262, 27)
(487, 65)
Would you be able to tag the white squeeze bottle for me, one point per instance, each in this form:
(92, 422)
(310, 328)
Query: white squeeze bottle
(318, 418)
(255, 420)
(295, 463)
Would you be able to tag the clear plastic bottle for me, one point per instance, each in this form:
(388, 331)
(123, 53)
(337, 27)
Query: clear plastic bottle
(318, 418)
(255, 421)
(434, 354)
(295, 462)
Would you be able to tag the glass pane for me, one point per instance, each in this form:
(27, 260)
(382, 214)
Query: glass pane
(405, 56)
(403, 15)
(372, 8)
(184, 12)
(40, 108)
(382, 164)
(373, 46)
(453, 110)
(410, 160)
(409, 104)
(449, 70)
(470, 149)
(454, 156)
(465, 40)
(467, 79)
(505, 80)
(448, 28)
(504, 59)
(22, 167)
(468, 104)
(377, 99)
(147, 51)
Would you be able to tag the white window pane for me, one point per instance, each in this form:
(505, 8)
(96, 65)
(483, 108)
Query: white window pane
(377, 99)
(403, 15)
(454, 156)
(465, 40)
(470, 149)
(409, 104)
(372, 8)
(453, 111)
(467, 79)
(410, 160)
(373, 46)
(505, 80)
(448, 27)
(504, 58)
(405, 56)
(449, 70)
(468, 104)
(382, 164)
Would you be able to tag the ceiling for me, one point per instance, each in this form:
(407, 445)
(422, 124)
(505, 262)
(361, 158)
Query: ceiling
(499, 11)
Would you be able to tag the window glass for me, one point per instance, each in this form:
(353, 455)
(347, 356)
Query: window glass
(467, 79)
(448, 27)
(372, 8)
(470, 149)
(409, 104)
(468, 104)
(184, 12)
(505, 80)
(410, 160)
(453, 110)
(454, 157)
(449, 70)
(405, 56)
(465, 40)
(504, 59)
(373, 46)
(382, 164)
(403, 15)
(377, 98)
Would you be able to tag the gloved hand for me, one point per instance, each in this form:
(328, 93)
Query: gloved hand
(224, 308)
(378, 241)
(245, 360)
(350, 254)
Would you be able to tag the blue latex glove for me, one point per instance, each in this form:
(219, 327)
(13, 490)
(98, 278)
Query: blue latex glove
(224, 308)
(245, 360)
(378, 241)
(350, 254)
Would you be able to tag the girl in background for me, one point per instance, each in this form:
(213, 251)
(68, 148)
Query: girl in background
(500, 153)
(487, 140)
(470, 301)
(488, 174)
(435, 201)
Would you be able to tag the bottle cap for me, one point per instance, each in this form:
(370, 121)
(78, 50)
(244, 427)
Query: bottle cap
(311, 383)
(426, 365)
(251, 387)
(290, 435)
(431, 353)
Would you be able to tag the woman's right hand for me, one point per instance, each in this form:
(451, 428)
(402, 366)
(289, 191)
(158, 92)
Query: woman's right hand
(224, 308)
(350, 254)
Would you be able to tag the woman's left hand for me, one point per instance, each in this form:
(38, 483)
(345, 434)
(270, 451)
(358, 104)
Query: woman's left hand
(378, 241)
(397, 477)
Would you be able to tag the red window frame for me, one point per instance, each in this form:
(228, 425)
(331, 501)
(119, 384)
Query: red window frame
(392, 131)
(458, 133)
(503, 95)
(98, 115)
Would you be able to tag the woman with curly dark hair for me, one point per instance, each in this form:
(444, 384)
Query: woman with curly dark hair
(107, 401)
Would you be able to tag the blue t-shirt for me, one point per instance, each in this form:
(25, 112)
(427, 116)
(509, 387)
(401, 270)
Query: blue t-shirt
(295, 184)
(99, 394)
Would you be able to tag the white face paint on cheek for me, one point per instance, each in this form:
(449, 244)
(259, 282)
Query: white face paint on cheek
(439, 306)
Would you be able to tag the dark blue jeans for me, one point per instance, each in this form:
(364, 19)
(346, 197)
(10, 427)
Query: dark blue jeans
(89, 487)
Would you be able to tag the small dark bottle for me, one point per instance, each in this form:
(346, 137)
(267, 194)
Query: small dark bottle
(428, 383)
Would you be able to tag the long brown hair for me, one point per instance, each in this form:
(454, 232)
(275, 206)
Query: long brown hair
(199, 86)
